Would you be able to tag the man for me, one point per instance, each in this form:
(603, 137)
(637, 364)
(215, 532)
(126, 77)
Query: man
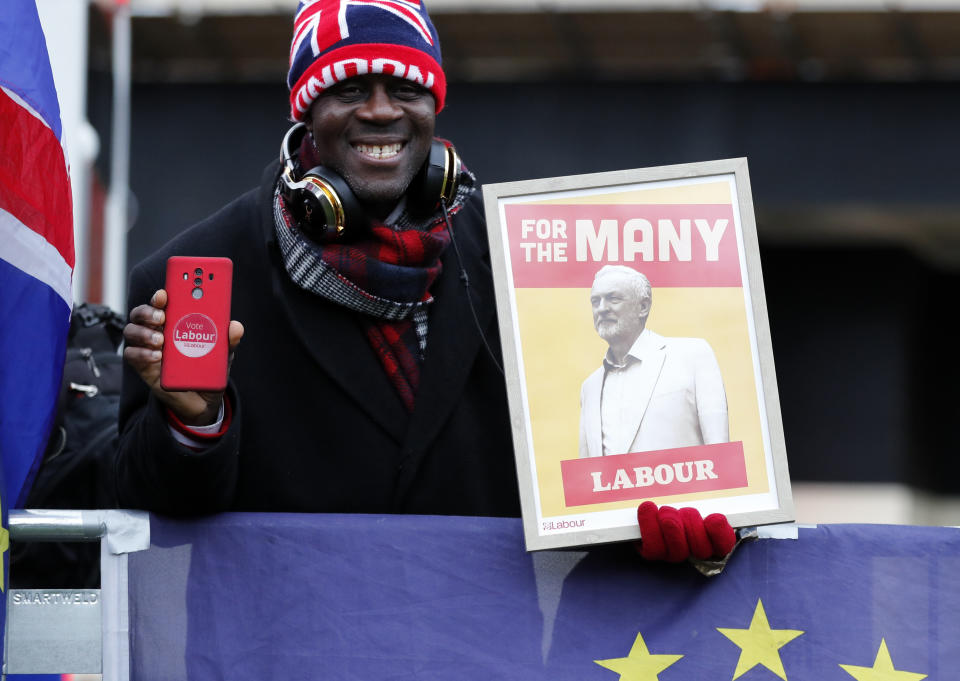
(396, 408)
(651, 392)
(362, 383)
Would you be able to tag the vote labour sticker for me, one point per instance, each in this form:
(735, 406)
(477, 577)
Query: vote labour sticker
(195, 335)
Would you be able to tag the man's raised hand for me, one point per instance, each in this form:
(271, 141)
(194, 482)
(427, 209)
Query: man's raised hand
(143, 350)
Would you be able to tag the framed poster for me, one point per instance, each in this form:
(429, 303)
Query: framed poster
(637, 350)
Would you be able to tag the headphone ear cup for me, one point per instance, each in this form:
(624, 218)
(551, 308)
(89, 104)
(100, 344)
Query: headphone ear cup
(438, 178)
(321, 201)
(328, 208)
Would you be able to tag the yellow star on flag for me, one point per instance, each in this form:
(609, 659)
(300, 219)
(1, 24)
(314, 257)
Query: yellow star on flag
(639, 664)
(882, 669)
(760, 644)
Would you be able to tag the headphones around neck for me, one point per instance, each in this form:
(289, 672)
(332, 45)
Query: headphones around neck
(325, 206)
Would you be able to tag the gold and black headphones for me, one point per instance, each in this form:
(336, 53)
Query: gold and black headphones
(325, 206)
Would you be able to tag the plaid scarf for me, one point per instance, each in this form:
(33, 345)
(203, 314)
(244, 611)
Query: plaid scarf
(386, 277)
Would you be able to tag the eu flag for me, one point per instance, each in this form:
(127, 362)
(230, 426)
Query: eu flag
(36, 252)
(245, 596)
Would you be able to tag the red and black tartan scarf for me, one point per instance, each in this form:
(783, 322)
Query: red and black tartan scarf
(386, 277)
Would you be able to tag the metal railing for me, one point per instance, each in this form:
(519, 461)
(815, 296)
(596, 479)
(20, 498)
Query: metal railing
(52, 631)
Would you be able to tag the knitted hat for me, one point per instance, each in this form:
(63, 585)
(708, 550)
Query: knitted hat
(337, 39)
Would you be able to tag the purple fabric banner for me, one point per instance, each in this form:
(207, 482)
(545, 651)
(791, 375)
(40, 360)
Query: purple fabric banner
(250, 596)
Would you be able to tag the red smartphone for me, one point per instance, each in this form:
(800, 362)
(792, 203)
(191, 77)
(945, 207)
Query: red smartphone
(195, 342)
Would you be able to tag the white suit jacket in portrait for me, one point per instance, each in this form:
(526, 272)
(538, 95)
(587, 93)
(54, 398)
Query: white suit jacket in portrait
(674, 398)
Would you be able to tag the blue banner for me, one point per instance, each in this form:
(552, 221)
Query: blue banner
(250, 596)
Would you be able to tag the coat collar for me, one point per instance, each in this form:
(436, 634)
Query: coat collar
(454, 339)
(646, 344)
(453, 343)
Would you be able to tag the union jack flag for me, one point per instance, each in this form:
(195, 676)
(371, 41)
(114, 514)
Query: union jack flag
(36, 254)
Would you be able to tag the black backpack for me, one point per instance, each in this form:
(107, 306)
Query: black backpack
(80, 453)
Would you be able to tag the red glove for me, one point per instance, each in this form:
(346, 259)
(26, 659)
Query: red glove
(675, 535)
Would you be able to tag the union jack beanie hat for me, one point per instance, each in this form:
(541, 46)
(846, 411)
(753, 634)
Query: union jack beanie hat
(337, 39)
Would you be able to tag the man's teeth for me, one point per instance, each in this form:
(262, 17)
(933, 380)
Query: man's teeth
(379, 151)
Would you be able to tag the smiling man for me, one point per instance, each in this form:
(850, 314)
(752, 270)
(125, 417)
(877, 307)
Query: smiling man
(361, 383)
(375, 132)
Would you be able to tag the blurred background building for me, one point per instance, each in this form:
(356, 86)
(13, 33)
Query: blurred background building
(846, 110)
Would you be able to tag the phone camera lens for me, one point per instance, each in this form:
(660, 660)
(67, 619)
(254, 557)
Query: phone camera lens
(198, 281)
(198, 272)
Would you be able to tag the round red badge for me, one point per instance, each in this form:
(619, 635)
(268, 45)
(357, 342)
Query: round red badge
(195, 335)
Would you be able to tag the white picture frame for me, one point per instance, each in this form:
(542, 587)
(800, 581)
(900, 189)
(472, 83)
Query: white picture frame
(691, 230)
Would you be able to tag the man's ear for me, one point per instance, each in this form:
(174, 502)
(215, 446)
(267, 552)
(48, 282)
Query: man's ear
(645, 309)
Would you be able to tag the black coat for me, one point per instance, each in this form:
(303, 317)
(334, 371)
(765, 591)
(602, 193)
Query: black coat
(317, 426)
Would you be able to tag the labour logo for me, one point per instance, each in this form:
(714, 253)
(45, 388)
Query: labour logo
(195, 335)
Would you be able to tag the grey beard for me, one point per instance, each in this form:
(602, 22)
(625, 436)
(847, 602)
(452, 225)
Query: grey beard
(618, 330)
(606, 331)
